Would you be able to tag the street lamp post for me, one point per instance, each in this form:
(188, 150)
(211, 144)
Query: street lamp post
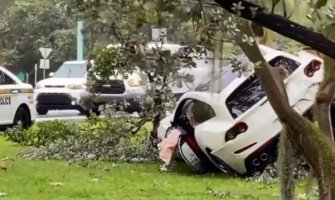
(80, 41)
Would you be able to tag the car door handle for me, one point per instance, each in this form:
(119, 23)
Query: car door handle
(14, 91)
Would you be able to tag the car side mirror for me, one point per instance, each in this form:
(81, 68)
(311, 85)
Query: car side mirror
(51, 74)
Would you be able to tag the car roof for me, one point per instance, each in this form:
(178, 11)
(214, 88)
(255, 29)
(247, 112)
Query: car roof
(76, 62)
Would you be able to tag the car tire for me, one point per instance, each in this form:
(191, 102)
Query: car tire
(88, 113)
(133, 107)
(22, 117)
(42, 111)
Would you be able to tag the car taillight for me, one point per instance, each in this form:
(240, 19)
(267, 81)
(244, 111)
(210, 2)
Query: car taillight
(239, 128)
(312, 67)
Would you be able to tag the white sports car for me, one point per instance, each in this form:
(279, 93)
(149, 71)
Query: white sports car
(235, 128)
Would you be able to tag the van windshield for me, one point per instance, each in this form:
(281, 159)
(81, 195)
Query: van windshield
(71, 70)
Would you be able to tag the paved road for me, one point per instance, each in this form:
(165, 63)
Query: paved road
(68, 115)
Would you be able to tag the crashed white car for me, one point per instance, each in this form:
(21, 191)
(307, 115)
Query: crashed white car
(235, 128)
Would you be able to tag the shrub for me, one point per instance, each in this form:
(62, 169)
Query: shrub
(96, 139)
(42, 133)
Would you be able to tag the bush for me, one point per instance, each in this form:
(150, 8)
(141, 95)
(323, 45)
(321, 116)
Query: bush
(96, 139)
(42, 133)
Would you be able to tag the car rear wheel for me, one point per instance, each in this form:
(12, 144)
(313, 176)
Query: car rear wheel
(22, 118)
(42, 111)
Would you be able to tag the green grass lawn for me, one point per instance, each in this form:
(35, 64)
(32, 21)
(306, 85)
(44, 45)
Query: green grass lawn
(48, 180)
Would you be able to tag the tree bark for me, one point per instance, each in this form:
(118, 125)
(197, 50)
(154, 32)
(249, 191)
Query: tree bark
(326, 92)
(281, 25)
(324, 99)
(286, 164)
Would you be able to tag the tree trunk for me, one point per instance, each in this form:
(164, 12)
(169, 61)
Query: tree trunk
(318, 150)
(286, 164)
(324, 99)
(325, 95)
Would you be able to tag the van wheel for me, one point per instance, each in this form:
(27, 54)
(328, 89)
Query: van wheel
(41, 111)
(22, 118)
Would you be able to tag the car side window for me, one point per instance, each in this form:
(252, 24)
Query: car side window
(195, 112)
(5, 79)
(284, 63)
(250, 91)
(245, 96)
(201, 112)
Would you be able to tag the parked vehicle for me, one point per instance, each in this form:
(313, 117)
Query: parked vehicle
(64, 89)
(118, 89)
(129, 89)
(16, 101)
(235, 128)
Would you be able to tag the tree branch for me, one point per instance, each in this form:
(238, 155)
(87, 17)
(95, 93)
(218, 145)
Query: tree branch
(281, 25)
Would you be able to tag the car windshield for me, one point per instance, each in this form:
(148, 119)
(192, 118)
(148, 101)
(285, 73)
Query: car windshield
(71, 70)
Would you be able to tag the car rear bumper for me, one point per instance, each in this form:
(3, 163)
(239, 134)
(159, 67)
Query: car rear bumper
(247, 164)
(108, 98)
(57, 101)
(259, 159)
(93, 102)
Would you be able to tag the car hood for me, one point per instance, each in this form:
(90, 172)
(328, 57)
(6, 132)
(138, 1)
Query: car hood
(26, 86)
(62, 81)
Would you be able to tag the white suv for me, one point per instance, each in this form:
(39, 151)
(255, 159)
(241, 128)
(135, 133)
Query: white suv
(119, 89)
(236, 128)
(64, 89)
(16, 101)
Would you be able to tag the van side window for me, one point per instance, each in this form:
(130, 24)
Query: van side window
(5, 79)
